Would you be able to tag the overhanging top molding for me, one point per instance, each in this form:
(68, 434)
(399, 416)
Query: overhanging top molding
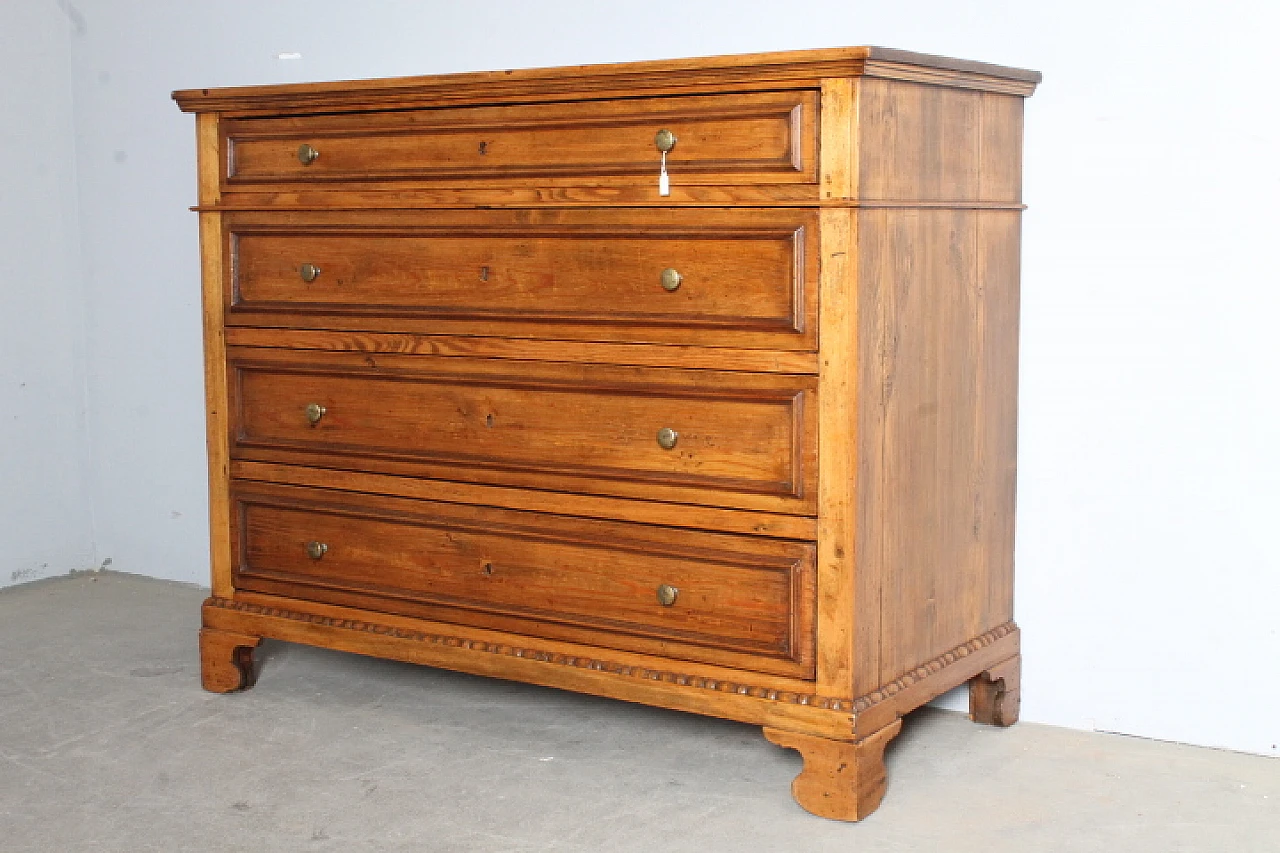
(791, 69)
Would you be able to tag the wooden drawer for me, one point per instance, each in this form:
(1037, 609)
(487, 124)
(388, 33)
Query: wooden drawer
(741, 440)
(768, 137)
(710, 278)
(741, 601)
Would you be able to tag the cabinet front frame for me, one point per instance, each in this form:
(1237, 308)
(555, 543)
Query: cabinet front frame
(836, 163)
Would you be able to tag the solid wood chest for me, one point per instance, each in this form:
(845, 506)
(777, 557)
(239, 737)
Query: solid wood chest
(690, 383)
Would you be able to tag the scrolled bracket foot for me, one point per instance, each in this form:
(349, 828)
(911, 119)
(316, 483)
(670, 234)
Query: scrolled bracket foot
(226, 660)
(995, 695)
(841, 780)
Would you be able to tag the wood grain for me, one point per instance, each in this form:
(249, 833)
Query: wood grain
(603, 279)
(741, 601)
(420, 640)
(760, 699)
(520, 349)
(777, 526)
(838, 573)
(933, 677)
(735, 139)
(838, 152)
(494, 356)
(552, 193)
(841, 780)
(744, 440)
(226, 660)
(212, 278)
(995, 694)
(733, 73)
(999, 143)
(929, 144)
(939, 330)
(745, 275)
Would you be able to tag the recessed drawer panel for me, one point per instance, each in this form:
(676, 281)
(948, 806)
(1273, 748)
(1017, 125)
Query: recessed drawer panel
(737, 600)
(711, 278)
(718, 139)
(701, 278)
(721, 439)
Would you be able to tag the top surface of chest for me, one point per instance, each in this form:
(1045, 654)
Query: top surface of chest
(733, 73)
(760, 130)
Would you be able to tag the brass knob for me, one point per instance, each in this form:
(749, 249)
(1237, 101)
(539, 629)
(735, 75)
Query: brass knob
(315, 412)
(309, 272)
(316, 550)
(306, 154)
(665, 140)
(671, 279)
(667, 594)
(667, 438)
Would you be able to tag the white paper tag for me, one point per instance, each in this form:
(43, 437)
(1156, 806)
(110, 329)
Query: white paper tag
(664, 182)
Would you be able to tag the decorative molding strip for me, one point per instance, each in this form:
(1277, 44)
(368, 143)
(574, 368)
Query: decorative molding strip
(855, 706)
(920, 204)
(902, 682)
(587, 198)
(793, 69)
(1018, 83)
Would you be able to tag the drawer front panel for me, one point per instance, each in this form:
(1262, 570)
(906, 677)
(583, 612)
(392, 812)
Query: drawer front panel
(753, 138)
(614, 279)
(709, 597)
(730, 439)
(738, 278)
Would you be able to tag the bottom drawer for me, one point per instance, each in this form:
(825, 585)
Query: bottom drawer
(741, 601)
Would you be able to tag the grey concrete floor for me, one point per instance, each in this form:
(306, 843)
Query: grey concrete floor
(107, 743)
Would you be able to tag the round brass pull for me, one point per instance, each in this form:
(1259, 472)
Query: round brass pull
(665, 140)
(315, 412)
(306, 154)
(667, 438)
(667, 594)
(309, 272)
(671, 279)
(316, 550)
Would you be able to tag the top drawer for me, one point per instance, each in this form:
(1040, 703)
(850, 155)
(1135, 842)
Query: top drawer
(759, 138)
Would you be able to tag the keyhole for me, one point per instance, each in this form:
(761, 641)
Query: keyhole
(488, 569)
(484, 273)
(488, 420)
(484, 146)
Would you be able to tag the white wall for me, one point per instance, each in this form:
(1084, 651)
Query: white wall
(45, 523)
(1148, 578)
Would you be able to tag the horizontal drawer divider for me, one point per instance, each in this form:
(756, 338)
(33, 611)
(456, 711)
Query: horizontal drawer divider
(649, 512)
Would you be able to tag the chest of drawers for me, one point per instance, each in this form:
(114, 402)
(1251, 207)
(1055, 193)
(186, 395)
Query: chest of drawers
(483, 394)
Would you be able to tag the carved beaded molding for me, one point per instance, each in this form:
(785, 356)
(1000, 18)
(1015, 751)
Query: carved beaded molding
(856, 706)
